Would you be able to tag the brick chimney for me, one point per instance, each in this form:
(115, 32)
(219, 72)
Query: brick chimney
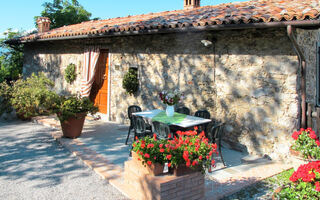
(43, 24)
(189, 4)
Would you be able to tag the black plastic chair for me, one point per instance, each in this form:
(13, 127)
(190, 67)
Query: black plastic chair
(183, 110)
(132, 109)
(215, 136)
(203, 114)
(161, 130)
(140, 127)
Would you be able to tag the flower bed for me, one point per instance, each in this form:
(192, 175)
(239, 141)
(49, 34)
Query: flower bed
(307, 143)
(305, 183)
(187, 150)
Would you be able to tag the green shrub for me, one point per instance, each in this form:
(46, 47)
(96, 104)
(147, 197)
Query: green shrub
(70, 73)
(130, 81)
(5, 97)
(70, 106)
(33, 96)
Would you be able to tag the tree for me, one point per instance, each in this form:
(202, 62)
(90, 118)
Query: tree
(64, 12)
(11, 58)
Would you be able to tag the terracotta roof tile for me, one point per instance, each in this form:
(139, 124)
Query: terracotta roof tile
(255, 11)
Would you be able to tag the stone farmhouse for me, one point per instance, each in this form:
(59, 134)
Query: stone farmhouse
(253, 65)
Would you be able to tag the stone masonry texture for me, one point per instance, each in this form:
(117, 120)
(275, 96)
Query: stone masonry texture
(247, 78)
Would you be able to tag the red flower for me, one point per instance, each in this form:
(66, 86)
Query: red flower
(185, 155)
(149, 162)
(134, 145)
(312, 135)
(161, 150)
(146, 155)
(150, 146)
(160, 145)
(188, 163)
(200, 157)
(169, 164)
(169, 157)
(317, 142)
(194, 163)
(155, 158)
(137, 138)
(143, 145)
(317, 186)
(195, 128)
(213, 162)
(169, 135)
(155, 136)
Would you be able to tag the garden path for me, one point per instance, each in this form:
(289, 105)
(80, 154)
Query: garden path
(101, 146)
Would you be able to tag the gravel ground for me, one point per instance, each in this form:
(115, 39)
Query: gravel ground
(34, 166)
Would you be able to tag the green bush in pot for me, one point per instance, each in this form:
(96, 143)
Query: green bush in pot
(70, 106)
(71, 111)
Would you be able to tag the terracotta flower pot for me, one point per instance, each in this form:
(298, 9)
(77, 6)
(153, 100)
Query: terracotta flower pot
(299, 155)
(183, 170)
(72, 128)
(155, 169)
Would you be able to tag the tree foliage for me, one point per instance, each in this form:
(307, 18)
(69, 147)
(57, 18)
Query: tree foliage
(64, 12)
(11, 58)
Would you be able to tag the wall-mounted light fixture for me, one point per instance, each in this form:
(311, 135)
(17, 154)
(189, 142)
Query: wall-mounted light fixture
(206, 43)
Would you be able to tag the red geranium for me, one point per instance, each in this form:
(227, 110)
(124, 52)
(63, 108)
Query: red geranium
(306, 142)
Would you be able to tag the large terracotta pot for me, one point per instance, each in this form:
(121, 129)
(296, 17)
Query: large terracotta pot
(183, 170)
(72, 128)
(299, 155)
(155, 169)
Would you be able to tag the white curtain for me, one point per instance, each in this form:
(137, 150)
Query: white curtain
(91, 56)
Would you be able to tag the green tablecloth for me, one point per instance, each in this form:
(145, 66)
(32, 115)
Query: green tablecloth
(175, 119)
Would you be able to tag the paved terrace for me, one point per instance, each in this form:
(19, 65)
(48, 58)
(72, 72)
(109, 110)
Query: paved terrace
(101, 147)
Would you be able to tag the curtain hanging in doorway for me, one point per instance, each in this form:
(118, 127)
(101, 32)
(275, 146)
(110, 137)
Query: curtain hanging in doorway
(91, 56)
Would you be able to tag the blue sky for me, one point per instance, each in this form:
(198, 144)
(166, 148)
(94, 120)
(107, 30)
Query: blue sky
(18, 14)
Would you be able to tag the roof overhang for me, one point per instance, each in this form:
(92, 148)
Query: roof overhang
(179, 29)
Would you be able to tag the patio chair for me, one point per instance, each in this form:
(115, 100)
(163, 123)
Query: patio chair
(140, 127)
(203, 114)
(161, 130)
(132, 109)
(215, 136)
(183, 110)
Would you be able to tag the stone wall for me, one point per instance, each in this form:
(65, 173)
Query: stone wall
(246, 78)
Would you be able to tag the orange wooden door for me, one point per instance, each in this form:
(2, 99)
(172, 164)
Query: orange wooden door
(99, 91)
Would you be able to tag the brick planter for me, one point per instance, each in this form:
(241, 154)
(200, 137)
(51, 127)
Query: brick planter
(154, 169)
(140, 185)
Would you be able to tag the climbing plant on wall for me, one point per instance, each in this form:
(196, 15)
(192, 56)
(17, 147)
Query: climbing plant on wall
(130, 81)
(70, 73)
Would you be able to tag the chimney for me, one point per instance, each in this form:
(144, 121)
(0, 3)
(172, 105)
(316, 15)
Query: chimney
(190, 4)
(43, 24)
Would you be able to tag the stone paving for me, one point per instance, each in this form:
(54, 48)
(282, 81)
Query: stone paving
(101, 147)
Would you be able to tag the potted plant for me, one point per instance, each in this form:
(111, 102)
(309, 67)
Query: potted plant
(306, 144)
(71, 112)
(191, 151)
(305, 183)
(150, 152)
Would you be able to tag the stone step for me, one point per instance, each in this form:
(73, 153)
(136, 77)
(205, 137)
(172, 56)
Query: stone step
(251, 159)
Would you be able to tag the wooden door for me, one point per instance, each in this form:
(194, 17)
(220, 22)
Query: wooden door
(99, 91)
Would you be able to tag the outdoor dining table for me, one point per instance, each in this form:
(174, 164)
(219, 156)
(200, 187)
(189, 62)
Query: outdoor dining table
(178, 119)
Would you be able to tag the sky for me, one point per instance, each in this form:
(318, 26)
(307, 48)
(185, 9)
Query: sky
(19, 14)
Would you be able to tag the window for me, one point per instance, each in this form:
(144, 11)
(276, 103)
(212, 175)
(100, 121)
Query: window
(318, 75)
